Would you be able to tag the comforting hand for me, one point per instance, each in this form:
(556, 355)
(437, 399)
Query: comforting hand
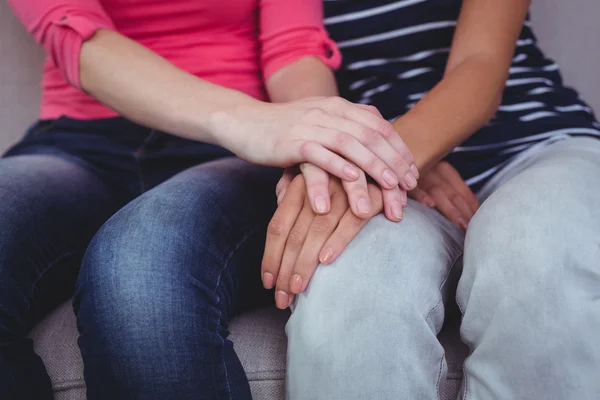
(443, 188)
(317, 187)
(330, 133)
(298, 239)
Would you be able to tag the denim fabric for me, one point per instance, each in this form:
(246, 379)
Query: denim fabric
(528, 279)
(179, 256)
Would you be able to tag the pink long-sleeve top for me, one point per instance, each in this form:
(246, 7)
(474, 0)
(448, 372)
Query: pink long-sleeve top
(233, 43)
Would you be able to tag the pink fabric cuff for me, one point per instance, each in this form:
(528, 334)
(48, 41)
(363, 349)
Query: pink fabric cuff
(284, 48)
(62, 33)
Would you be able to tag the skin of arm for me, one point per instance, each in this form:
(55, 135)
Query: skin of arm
(175, 102)
(307, 77)
(469, 94)
(155, 93)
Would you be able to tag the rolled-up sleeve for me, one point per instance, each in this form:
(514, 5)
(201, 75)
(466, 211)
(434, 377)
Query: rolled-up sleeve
(61, 27)
(293, 29)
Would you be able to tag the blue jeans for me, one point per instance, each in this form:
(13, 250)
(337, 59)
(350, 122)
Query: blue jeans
(177, 232)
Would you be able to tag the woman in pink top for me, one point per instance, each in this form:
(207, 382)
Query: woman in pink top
(154, 115)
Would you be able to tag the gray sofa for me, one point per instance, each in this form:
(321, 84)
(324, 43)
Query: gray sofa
(569, 30)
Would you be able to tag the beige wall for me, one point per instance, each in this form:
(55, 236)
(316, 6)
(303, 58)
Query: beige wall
(569, 31)
(20, 61)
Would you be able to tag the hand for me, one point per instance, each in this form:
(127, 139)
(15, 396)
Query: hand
(330, 133)
(298, 239)
(317, 187)
(443, 188)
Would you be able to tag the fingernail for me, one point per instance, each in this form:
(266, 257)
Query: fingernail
(462, 224)
(326, 255)
(390, 178)
(397, 210)
(321, 204)
(430, 203)
(410, 180)
(268, 280)
(282, 300)
(350, 172)
(414, 170)
(364, 206)
(296, 284)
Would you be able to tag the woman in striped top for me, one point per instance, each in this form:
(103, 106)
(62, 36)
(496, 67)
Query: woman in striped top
(483, 111)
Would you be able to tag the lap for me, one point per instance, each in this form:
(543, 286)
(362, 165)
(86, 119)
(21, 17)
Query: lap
(545, 201)
(387, 268)
(534, 237)
(202, 229)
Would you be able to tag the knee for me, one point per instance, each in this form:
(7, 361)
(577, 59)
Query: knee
(391, 272)
(144, 268)
(525, 244)
(390, 259)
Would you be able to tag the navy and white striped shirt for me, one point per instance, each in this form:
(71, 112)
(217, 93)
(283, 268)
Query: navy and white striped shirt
(395, 51)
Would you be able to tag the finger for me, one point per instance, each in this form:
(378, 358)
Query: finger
(321, 228)
(422, 197)
(293, 246)
(453, 178)
(398, 145)
(465, 210)
(349, 147)
(348, 227)
(368, 140)
(392, 203)
(445, 177)
(404, 198)
(279, 228)
(358, 196)
(314, 153)
(354, 151)
(317, 186)
(447, 207)
(284, 182)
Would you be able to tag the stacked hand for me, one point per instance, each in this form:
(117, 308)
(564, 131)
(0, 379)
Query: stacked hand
(337, 136)
(298, 239)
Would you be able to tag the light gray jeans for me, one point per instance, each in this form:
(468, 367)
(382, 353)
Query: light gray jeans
(529, 293)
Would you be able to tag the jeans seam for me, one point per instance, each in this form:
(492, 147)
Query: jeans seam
(217, 287)
(440, 301)
(50, 265)
(465, 379)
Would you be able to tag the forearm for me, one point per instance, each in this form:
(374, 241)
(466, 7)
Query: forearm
(307, 77)
(465, 100)
(146, 88)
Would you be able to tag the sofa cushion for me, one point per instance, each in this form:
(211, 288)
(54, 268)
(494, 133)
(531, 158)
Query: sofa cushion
(258, 337)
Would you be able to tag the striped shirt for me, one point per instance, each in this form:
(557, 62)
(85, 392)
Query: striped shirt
(395, 51)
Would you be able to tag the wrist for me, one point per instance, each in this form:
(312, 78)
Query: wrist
(229, 126)
(424, 152)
